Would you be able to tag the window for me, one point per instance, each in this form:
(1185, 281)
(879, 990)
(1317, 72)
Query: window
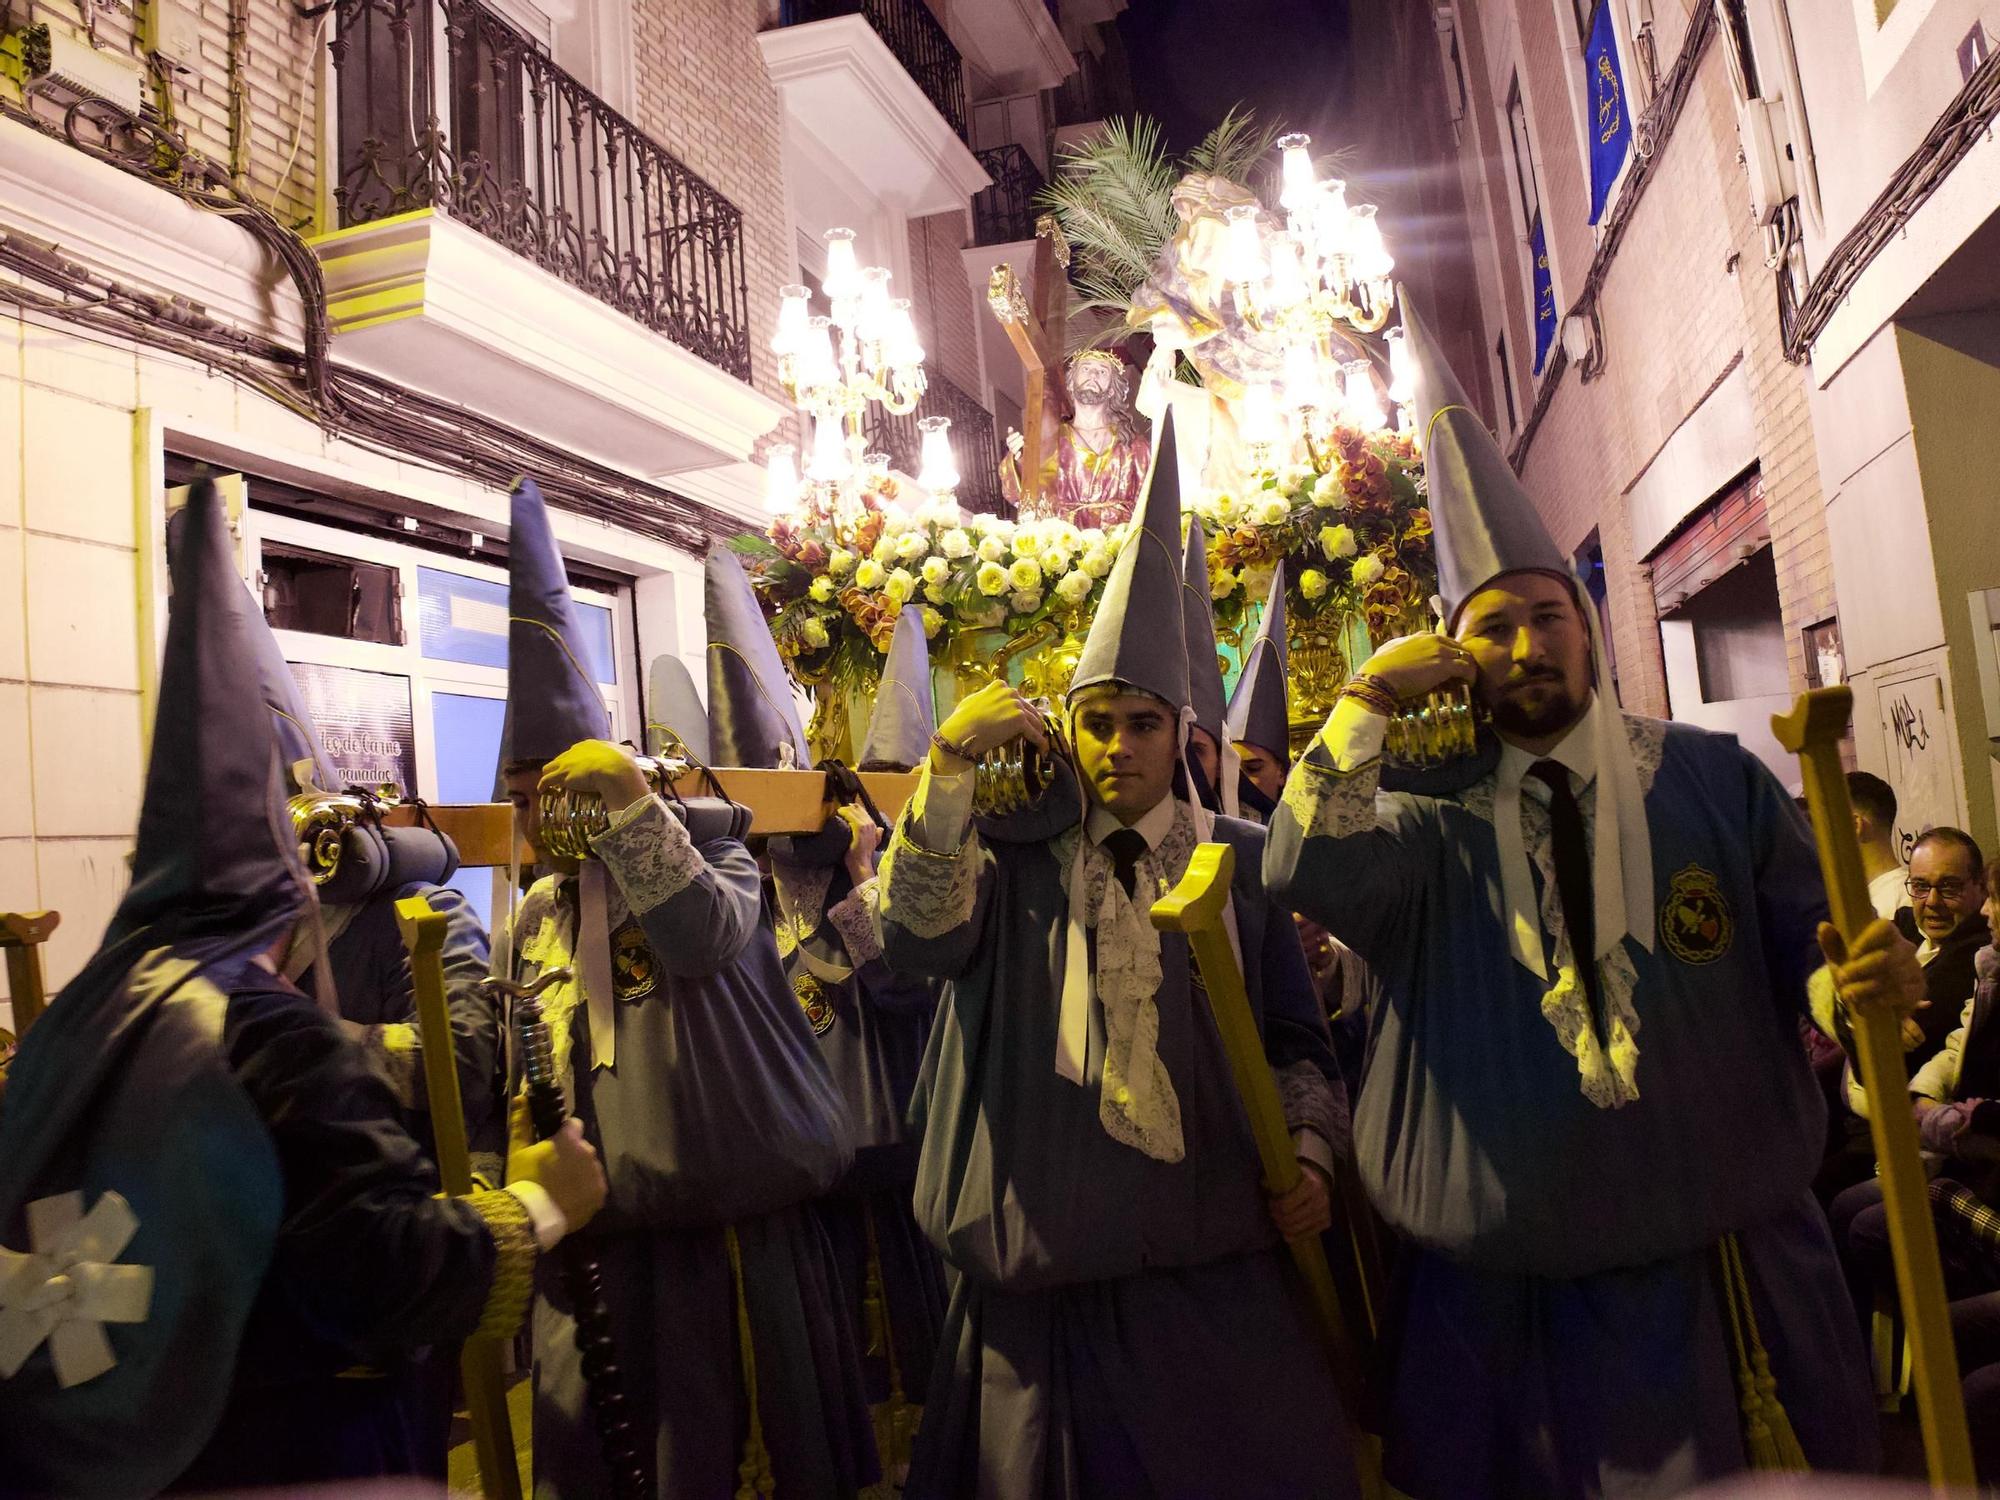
(1507, 382)
(1527, 190)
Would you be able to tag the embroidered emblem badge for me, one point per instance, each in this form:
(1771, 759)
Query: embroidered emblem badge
(633, 973)
(814, 1002)
(1694, 920)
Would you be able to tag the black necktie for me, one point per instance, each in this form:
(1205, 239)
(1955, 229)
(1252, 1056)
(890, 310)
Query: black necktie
(1572, 861)
(1126, 846)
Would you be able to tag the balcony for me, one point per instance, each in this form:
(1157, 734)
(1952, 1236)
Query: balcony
(972, 442)
(1006, 212)
(881, 83)
(505, 237)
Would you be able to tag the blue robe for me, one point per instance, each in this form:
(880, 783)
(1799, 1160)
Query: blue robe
(872, 1025)
(1120, 1325)
(1561, 1336)
(718, 1124)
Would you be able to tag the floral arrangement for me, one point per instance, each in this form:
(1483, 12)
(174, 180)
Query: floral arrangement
(1351, 532)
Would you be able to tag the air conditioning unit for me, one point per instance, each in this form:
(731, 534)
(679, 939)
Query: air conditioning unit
(76, 70)
(1767, 155)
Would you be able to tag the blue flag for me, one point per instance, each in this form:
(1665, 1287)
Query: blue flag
(1610, 119)
(1545, 295)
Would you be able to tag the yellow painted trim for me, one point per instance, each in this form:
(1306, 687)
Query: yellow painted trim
(373, 228)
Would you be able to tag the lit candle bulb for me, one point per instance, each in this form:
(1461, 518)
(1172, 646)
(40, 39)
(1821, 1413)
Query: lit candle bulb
(817, 366)
(781, 479)
(843, 272)
(938, 469)
(1360, 406)
(1243, 253)
(1297, 181)
(830, 462)
(1402, 379)
(1303, 387)
(1330, 219)
(793, 313)
(1288, 273)
(1372, 261)
(872, 322)
(900, 345)
(1259, 423)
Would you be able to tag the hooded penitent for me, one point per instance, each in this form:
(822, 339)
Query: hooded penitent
(122, 1095)
(1485, 526)
(899, 731)
(1260, 712)
(552, 702)
(1204, 665)
(1137, 636)
(752, 719)
(673, 709)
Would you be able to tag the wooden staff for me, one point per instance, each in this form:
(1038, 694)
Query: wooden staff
(1813, 731)
(22, 934)
(479, 1361)
(1195, 908)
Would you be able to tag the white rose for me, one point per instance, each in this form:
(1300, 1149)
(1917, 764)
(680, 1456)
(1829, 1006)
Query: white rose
(1026, 573)
(1367, 569)
(992, 548)
(1096, 561)
(955, 543)
(1224, 506)
(815, 633)
(1294, 477)
(992, 579)
(934, 592)
(933, 621)
(842, 561)
(1272, 512)
(1075, 587)
(870, 574)
(895, 522)
(936, 570)
(1026, 601)
(912, 544)
(885, 549)
(821, 591)
(901, 585)
(1328, 493)
(1055, 561)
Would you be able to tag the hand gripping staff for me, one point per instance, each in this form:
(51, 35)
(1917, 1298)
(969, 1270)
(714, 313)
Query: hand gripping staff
(479, 1362)
(604, 1381)
(1812, 731)
(1194, 908)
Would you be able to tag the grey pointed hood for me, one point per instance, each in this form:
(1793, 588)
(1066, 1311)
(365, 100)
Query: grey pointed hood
(1483, 520)
(1138, 636)
(750, 708)
(900, 729)
(552, 701)
(673, 708)
(1260, 711)
(1198, 624)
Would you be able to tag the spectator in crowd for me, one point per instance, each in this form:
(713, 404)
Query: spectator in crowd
(1875, 826)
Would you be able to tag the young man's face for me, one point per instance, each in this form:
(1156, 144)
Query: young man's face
(1533, 652)
(1946, 888)
(1264, 770)
(522, 781)
(1202, 751)
(1126, 747)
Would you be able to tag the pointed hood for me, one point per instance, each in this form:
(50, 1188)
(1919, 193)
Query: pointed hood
(551, 700)
(1260, 711)
(899, 731)
(215, 860)
(292, 723)
(1483, 521)
(1198, 624)
(751, 715)
(673, 708)
(1138, 636)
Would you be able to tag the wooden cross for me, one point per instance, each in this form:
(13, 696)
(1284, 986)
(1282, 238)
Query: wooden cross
(1037, 333)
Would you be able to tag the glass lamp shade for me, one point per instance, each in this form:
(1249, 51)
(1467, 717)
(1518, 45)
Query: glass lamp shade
(1296, 180)
(794, 312)
(900, 346)
(1360, 406)
(1402, 378)
(817, 367)
(1288, 286)
(1304, 389)
(830, 461)
(1259, 421)
(938, 468)
(1330, 216)
(872, 325)
(843, 272)
(1243, 250)
(781, 479)
(1372, 261)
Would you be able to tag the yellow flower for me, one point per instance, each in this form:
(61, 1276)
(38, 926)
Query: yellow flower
(911, 544)
(1026, 601)
(1272, 512)
(933, 621)
(870, 574)
(815, 632)
(1337, 541)
(1368, 569)
(901, 585)
(1025, 574)
(1313, 583)
(992, 548)
(955, 543)
(992, 579)
(821, 590)
(1328, 492)
(936, 570)
(842, 561)
(1222, 583)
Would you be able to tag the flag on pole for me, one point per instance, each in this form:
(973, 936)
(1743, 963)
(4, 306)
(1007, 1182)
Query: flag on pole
(1610, 118)
(1545, 295)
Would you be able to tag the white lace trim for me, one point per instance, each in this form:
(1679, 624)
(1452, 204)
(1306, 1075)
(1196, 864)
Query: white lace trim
(649, 855)
(1331, 804)
(853, 917)
(549, 943)
(1607, 1067)
(801, 901)
(927, 894)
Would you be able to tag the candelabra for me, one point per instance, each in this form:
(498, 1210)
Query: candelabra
(863, 352)
(1314, 280)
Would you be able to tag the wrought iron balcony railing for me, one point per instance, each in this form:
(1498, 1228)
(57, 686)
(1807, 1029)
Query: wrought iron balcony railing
(1006, 211)
(443, 104)
(912, 33)
(972, 441)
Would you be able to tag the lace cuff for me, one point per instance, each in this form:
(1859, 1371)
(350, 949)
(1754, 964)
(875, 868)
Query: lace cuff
(853, 917)
(649, 854)
(396, 1052)
(514, 1253)
(1312, 1104)
(1327, 803)
(926, 894)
